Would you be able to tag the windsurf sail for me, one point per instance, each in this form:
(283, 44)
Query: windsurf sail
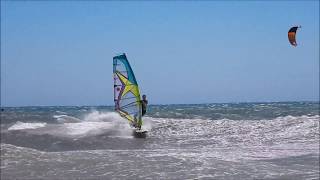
(126, 91)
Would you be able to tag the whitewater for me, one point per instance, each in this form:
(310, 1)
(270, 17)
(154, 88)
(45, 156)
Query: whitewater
(195, 141)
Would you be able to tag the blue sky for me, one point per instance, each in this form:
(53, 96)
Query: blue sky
(60, 53)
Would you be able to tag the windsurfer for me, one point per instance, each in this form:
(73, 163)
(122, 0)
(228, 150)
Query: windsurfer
(144, 103)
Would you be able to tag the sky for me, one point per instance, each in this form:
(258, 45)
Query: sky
(182, 52)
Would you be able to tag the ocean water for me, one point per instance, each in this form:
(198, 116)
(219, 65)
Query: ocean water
(195, 141)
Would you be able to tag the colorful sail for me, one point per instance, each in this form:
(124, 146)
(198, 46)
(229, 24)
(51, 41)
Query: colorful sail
(292, 35)
(126, 91)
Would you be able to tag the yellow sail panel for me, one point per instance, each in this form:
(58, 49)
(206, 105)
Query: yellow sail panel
(128, 86)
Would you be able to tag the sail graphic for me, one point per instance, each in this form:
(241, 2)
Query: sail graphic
(126, 91)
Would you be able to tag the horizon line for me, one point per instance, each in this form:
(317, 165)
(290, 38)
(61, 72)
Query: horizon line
(313, 101)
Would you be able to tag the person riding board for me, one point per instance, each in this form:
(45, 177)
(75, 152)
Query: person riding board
(144, 104)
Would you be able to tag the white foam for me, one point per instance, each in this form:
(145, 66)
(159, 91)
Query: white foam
(147, 123)
(95, 123)
(96, 116)
(20, 126)
(255, 139)
(66, 119)
(85, 128)
(61, 112)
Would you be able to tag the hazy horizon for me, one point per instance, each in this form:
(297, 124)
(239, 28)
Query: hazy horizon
(111, 105)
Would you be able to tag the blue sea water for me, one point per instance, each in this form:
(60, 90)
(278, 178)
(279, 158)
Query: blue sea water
(271, 140)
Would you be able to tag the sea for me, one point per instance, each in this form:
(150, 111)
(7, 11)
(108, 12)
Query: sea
(267, 140)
